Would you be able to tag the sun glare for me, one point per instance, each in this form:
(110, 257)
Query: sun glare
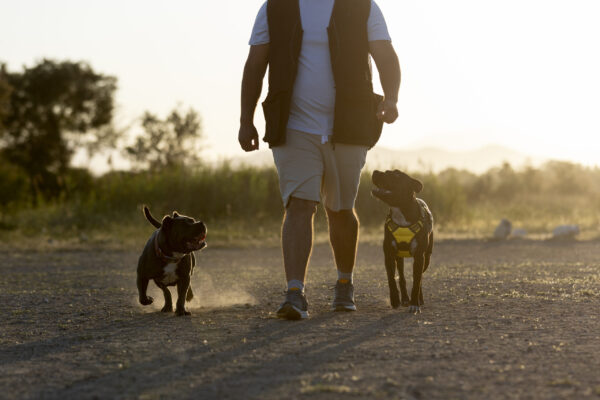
(517, 74)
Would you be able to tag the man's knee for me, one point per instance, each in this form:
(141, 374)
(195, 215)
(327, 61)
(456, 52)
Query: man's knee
(342, 216)
(301, 207)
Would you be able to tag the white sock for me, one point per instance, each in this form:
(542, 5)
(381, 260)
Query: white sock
(346, 276)
(295, 284)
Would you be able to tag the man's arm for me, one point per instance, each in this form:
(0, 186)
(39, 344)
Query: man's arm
(254, 73)
(389, 73)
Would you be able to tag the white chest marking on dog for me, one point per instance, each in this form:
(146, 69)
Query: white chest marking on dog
(170, 276)
(398, 217)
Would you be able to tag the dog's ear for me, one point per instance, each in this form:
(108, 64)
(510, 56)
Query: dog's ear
(417, 185)
(167, 222)
(175, 214)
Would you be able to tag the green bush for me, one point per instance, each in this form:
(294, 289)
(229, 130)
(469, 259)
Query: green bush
(533, 198)
(14, 188)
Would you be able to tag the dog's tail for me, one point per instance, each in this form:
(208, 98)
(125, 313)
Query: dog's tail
(150, 218)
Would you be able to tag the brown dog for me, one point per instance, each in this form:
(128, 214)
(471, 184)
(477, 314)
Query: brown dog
(408, 232)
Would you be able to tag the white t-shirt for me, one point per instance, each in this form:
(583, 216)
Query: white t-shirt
(313, 99)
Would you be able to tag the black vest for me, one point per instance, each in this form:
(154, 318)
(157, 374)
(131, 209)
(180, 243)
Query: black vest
(355, 103)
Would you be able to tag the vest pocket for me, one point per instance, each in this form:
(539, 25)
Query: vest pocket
(356, 121)
(377, 123)
(273, 108)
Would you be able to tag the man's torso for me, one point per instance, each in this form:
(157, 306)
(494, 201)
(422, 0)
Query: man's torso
(313, 98)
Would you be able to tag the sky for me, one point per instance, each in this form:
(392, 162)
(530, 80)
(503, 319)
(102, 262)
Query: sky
(523, 74)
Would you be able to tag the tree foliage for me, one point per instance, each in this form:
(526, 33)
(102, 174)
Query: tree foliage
(172, 142)
(50, 104)
(5, 91)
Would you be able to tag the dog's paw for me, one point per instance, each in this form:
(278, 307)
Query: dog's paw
(182, 312)
(167, 308)
(414, 310)
(395, 302)
(147, 301)
(405, 302)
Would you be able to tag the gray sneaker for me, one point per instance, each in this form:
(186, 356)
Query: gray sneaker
(344, 297)
(294, 307)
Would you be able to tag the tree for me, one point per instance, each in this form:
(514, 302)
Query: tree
(167, 143)
(5, 92)
(51, 104)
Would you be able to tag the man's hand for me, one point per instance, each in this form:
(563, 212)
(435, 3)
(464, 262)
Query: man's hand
(389, 73)
(387, 111)
(248, 137)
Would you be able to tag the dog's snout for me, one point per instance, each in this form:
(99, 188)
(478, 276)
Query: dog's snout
(201, 226)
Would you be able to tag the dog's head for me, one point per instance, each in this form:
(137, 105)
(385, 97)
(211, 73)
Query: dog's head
(395, 188)
(184, 234)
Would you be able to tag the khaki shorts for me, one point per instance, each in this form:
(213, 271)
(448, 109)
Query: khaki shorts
(309, 169)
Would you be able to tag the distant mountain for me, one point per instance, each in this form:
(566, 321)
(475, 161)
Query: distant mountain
(436, 159)
(425, 159)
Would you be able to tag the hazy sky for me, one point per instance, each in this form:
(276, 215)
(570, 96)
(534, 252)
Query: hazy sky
(519, 73)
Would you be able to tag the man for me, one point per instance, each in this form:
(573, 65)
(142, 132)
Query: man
(321, 118)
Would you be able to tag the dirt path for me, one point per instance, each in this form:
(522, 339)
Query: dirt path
(507, 320)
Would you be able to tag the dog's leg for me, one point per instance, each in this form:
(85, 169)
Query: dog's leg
(183, 284)
(426, 265)
(416, 289)
(428, 252)
(404, 293)
(168, 307)
(390, 268)
(190, 295)
(389, 253)
(142, 284)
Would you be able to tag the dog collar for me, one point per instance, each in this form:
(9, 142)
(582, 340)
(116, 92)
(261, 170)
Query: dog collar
(161, 254)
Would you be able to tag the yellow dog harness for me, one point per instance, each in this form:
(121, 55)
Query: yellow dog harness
(403, 235)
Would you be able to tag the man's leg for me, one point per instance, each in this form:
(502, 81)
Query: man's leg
(343, 235)
(296, 243)
(297, 237)
(300, 167)
(340, 187)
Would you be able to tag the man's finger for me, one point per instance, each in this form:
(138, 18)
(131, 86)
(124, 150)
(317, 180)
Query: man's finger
(379, 113)
(391, 116)
(246, 145)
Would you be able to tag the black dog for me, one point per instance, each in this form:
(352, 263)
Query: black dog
(169, 260)
(408, 232)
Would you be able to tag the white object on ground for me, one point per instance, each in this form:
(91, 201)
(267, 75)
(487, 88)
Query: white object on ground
(565, 231)
(519, 233)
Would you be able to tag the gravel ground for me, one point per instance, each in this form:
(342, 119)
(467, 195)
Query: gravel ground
(506, 320)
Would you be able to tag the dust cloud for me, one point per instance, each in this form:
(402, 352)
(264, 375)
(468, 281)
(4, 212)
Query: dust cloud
(209, 293)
